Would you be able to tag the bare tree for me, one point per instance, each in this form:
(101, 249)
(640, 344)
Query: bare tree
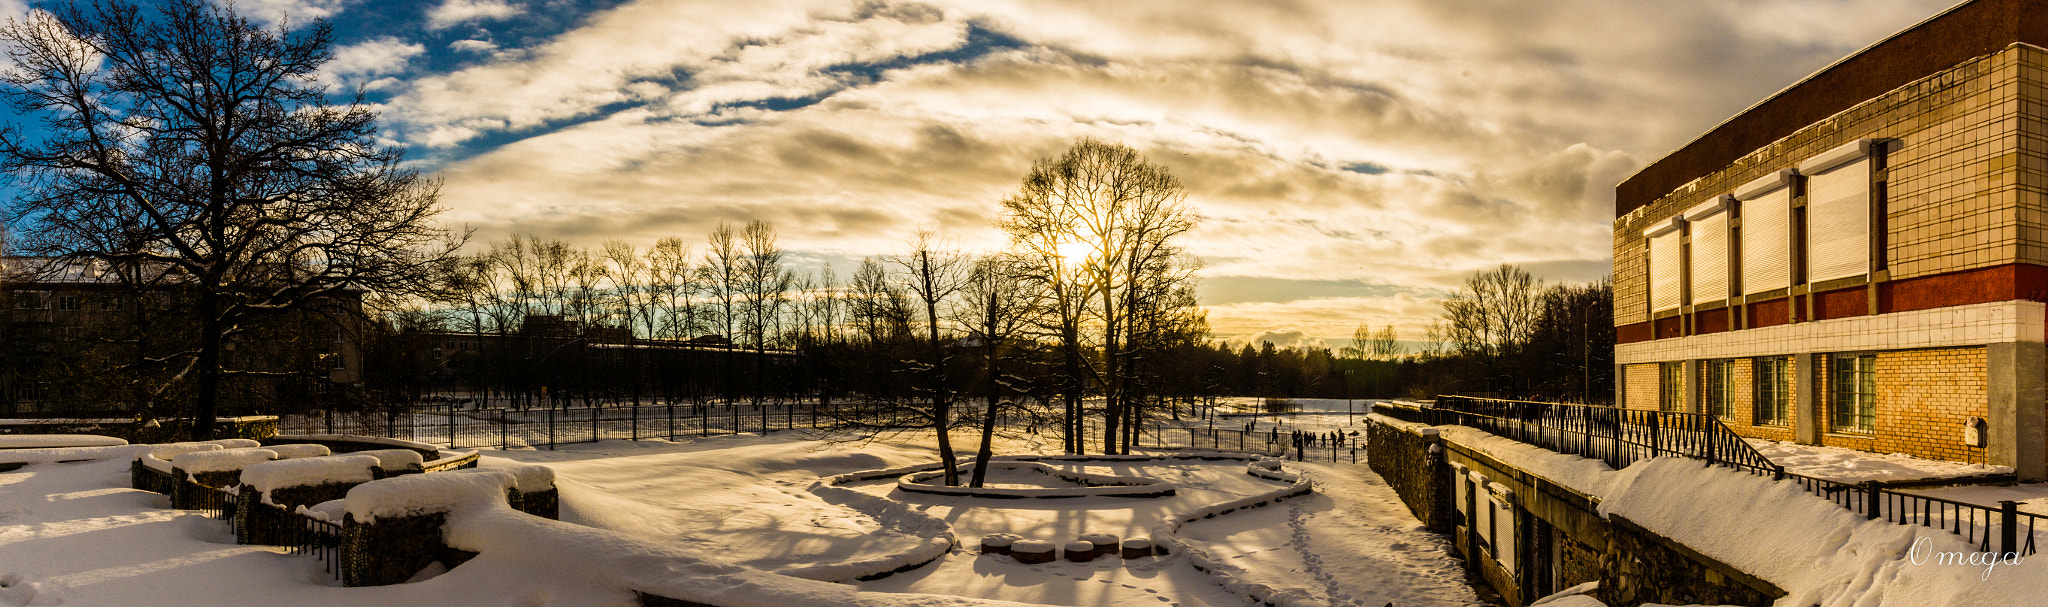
(211, 143)
(933, 274)
(1105, 209)
(674, 282)
(996, 305)
(1492, 318)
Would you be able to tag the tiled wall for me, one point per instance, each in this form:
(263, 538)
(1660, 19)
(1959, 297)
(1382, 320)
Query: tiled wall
(1971, 325)
(1642, 386)
(1966, 180)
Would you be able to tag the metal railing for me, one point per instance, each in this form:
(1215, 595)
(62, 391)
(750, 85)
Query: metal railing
(1621, 437)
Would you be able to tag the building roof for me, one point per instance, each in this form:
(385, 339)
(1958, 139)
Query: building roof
(1966, 31)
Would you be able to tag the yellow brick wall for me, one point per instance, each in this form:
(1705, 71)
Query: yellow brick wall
(1923, 397)
(1642, 386)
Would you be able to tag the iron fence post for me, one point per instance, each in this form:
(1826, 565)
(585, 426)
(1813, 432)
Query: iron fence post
(551, 428)
(1873, 498)
(2008, 527)
(451, 426)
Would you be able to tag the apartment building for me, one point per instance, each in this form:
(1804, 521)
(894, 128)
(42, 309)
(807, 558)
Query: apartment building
(1861, 259)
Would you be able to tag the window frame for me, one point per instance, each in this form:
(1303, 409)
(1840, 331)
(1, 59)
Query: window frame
(1671, 386)
(1771, 381)
(1719, 386)
(1860, 415)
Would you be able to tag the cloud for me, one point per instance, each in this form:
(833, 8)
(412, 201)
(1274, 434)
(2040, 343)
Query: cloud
(1280, 338)
(1353, 161)
(457, 12)
(473, 46)
(359, 63)
(298, 12)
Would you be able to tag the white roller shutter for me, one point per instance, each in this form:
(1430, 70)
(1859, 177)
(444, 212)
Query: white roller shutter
(1709, 223)
(1838, 221)
(1767, 241)
(1666, 286)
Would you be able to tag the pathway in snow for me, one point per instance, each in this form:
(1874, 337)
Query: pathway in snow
(1352, 543)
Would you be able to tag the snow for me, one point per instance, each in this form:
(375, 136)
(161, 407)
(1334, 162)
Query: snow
(1091, 484)
(1819, 553)
(707, 520)
(222, 460)
(375, 440)
(394, 459)
(1587, 476)
(70, 454)
(1852, 466)
(527, 478)
(294, 451)
(41, 441)
(270, 476)
(416, 494)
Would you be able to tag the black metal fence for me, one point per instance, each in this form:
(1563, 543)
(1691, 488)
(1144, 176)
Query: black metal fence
(1624, 436)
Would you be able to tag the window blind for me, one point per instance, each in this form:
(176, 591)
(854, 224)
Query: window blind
(1767, 241)
(1838, 212)
(1666, 287)
(1709, 223)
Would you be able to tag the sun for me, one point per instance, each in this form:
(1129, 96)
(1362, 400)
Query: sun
(1075, 252)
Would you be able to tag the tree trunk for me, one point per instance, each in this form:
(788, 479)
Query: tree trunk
(206, 404)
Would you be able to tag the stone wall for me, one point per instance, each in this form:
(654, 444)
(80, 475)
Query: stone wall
(1414, 470)
(391, 549)
(1641, 567)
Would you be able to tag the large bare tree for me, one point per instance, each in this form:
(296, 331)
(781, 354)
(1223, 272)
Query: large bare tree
(933, 274)
(211, 147)
(1100, 222)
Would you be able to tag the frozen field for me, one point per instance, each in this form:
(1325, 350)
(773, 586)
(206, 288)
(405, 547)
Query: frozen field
(74, 534)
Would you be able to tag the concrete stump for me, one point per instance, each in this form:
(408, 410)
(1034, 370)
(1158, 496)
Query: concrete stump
(1137, 548)
(1033, 552)
(1080, 551)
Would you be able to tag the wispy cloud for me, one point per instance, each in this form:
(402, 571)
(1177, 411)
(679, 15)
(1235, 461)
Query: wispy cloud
(1397, 145)
(451, 13)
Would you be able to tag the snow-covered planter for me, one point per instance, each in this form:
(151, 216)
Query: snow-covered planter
(451, 460)
(536, 488)
(1034, 552)
(394, 462)
(1079, 551)
(1136, 548)
(1105, 543)
(393, 527)
(311, 480)
(1092, 485)
(998, 543)
(299, 450)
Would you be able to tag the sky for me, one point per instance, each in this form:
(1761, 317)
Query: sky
(1352, 161)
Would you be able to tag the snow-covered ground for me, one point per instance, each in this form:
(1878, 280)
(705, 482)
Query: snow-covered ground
(74, 534)
(1852, 466)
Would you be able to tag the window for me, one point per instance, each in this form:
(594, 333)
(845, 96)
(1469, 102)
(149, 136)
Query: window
(30, 300)
(1766, 233)
(1773, 389)
(1672, 384)
(114, 303)
(1708, 224)
(1854, 387)
(1838, 212)
(67, 303)
(1720, 378)
(1665, 254)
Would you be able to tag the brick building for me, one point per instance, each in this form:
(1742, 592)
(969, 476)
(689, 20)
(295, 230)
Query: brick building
(75, 337)
(1861, 259)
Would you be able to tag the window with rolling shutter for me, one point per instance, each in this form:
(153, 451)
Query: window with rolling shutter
(1838, 213)
(1709, 228)
(1666, 255)
(1766, 233)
